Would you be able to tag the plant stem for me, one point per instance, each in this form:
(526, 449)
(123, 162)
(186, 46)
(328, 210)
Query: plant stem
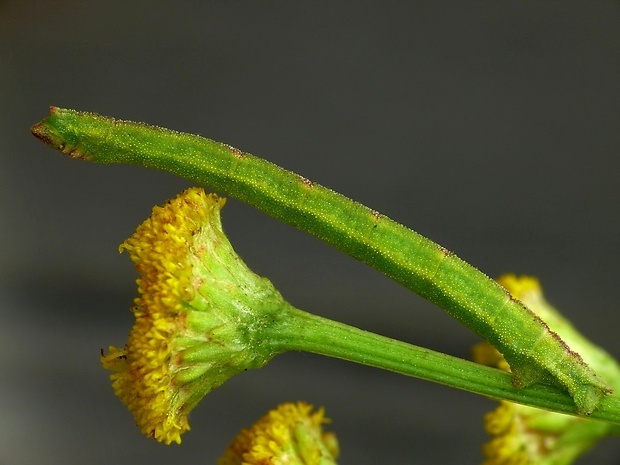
(295, 329)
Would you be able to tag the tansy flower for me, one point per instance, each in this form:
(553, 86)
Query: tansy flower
(289, 435)
(197, 305)
(526, 435)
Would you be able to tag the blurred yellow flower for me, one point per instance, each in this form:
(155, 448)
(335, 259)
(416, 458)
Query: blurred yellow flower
(289, 435)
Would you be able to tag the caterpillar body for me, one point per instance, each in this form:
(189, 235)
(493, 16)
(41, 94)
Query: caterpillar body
(534, 352)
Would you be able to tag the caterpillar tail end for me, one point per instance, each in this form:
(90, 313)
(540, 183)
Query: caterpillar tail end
(586, 392)
(587, 397)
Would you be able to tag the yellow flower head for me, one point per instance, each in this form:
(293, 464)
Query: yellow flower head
(523, 435)
(197, 305)
(289, 435)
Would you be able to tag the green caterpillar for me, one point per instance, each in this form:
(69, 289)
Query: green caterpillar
(535, 353)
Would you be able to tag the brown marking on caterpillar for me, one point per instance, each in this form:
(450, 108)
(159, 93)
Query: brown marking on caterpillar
(236, 152)
(75, 153)
(567, 349)
(376, 216)
(509, 295)
(512, 298)
(305, 181)
(445, 252)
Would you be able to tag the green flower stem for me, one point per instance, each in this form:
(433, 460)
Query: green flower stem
(294, 329)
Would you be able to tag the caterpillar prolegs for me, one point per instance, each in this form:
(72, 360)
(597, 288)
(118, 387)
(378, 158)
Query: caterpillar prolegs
(535, 353)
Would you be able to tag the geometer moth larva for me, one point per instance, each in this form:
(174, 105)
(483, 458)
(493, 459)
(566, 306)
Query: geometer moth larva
(535, 353)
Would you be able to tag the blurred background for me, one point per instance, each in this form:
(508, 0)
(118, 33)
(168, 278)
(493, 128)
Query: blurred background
(491, 128)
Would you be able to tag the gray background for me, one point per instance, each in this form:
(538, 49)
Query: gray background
(490, 127)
